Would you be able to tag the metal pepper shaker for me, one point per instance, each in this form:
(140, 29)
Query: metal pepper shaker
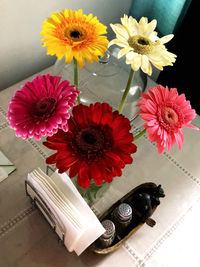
(107, 238)
(122, 217)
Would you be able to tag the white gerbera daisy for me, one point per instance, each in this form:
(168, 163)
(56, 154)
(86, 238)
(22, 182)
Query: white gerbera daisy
(141, 44)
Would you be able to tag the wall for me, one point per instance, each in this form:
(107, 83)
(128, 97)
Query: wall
(21, 54)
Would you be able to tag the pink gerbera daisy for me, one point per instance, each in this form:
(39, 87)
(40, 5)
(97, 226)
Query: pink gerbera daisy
(166, 113)
(41, 107)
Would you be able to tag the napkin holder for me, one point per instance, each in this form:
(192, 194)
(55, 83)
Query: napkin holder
(65, 210)
(39, 202)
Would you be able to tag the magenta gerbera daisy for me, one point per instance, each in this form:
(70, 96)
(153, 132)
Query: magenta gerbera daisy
(166, 113)
(41, 107)
(97, 145)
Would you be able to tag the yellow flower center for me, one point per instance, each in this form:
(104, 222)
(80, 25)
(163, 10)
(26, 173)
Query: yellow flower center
(141, 45)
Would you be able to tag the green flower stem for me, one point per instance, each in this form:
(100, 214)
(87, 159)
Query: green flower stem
(128, 86)
(12, 171)
(139, 135)
(78, 101)
(6, 165)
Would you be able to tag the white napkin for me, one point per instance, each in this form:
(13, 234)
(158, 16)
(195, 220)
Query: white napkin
(63, 199)
(6, 167)
(3, 174)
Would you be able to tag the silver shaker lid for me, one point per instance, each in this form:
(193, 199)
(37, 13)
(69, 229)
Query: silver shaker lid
(109, 227)
(124, 211)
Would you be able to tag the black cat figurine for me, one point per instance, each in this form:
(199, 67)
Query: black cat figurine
(155, 193)
(144, 200)
(141, 202)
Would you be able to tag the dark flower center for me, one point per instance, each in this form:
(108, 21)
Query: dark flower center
(141, 44)
(45, 107)
(90, 140)
(75, 34)
(169, 116)
(143, 41)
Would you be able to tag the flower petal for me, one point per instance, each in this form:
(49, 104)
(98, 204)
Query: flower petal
(123, 51)
(145, 65)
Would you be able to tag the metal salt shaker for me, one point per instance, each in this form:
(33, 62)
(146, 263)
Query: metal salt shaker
(107, 238)
(122, 217)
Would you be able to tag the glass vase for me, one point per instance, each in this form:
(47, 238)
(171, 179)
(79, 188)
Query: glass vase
(93, 193)
(105, 81)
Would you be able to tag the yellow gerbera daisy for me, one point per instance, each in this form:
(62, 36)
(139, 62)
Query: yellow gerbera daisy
(72, 34)
(141, 44)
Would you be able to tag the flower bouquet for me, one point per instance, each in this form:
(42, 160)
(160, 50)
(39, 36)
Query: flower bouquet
(94, 143)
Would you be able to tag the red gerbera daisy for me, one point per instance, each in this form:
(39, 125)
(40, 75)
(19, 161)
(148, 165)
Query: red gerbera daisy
(97, 145)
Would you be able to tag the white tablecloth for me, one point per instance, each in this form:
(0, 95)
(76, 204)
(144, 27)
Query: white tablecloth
(27, 240)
